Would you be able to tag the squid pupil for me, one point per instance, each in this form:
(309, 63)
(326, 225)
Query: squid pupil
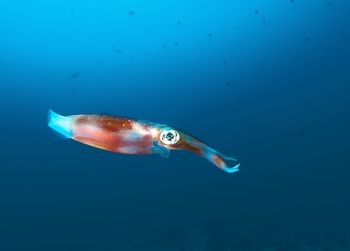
(170, 136)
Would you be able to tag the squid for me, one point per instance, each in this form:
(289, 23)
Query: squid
(130, 136)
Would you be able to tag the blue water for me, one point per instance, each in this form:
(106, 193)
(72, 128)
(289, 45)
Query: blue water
(265, 81)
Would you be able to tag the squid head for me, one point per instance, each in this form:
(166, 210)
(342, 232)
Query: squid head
(174, 139)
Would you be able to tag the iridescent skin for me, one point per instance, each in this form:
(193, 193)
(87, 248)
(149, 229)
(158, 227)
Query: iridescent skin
(128, 136)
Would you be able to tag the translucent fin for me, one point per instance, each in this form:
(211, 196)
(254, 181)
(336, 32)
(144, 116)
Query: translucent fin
(60, 124)
(161, 150)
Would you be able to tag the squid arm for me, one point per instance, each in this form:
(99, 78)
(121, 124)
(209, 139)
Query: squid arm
(190, 143)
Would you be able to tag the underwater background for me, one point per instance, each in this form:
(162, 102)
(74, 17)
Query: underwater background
(264, 81)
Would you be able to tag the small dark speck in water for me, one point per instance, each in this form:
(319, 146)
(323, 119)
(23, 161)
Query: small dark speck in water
(178, 23)
(264, 21)
(344, 187)
(329, 4)
(307, 39)
(210, 35)
(301, 133)
(75, 75)
(176, 43)
(228, 83)
(131, 13)
(276, 146)
(256, 12)
(292, 1)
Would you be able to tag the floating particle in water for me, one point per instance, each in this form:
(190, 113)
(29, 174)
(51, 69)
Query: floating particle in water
(228, 83)
(344, 187)
(176, 43)
(131, 13)
(164, 46)
(264, 21)
(292, 1)
(178, 23)
(118, 51)
(277, 146)
(256, 12)
(75, 75)
(224, 61)
(210, 34)
(301, 132)
(329, 4)
(307, 39)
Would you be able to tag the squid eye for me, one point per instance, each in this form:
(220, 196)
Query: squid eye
(169, 136)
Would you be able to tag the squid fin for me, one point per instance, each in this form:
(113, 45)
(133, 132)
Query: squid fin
(161, 150)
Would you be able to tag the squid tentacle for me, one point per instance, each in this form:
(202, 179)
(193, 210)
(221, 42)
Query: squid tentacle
(222, 161)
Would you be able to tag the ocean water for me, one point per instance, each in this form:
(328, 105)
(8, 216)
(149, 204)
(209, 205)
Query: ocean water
(264, 81)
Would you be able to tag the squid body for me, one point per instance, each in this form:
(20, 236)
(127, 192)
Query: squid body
(129, 136)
